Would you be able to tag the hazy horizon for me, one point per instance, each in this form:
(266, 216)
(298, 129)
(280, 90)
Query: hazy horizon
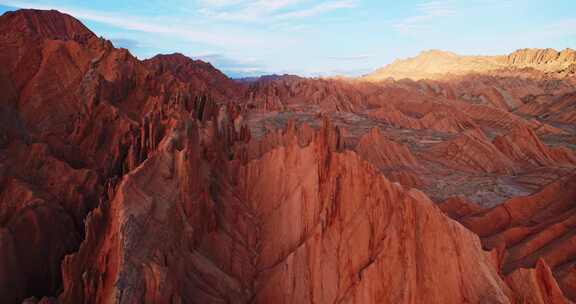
(246, 38)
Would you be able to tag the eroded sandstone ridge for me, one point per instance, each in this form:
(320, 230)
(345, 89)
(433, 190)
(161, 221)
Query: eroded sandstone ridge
(436, 64)
(164, 181)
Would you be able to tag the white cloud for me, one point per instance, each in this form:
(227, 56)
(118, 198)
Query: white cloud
(318, 9)
(259, 5)
(234, 67)
(427, 13)
(352, 58)
(436, 8)
(431, 11)
(269, 10)
(219, 3)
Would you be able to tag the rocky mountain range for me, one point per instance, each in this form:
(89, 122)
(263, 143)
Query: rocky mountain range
(437, 179)
(436, 64)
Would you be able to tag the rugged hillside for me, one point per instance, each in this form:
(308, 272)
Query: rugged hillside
(436, 64)
(77, 114)
(163, 181)
(202, 75)
(529, 230)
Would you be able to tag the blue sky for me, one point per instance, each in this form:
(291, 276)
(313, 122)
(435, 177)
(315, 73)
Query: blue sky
(319, 37)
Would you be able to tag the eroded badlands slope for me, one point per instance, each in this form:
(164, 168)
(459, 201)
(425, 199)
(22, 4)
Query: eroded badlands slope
(163, 181)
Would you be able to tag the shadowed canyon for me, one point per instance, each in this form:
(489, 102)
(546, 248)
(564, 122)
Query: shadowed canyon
(436, 179)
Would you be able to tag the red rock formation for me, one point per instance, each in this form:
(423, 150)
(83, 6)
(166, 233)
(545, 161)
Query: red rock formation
(393, 159)
(154, 181)
(537, 285)
(458, 207)
(51, 25)
(473, 152)
(295, 93)
(202, 75)
(384, 153)
(525, 229)
(523, 146)
(501, 91)
(537, 57)
(265, 233)
(493, 118)
(392, 116)
(438, 120)
(561, 109)
(407, 178)
(71, 124)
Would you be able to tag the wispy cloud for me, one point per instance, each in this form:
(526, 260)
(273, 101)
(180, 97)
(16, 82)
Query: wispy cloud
(219, 3)
(438, 8)
(260, 11)
(427, 12)
(318, 9)
(352, 58)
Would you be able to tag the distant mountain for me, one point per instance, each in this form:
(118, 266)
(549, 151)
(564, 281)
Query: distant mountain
(266, 78)
(436, 64)
(201, 74)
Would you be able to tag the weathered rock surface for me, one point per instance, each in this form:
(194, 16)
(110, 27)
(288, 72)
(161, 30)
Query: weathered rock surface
(536, 285)
(523, 146)
(471, 151)
(561, 109)
(201, 75)
(384, 153)
(163, 181)
(328, 220)
(526, 229)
